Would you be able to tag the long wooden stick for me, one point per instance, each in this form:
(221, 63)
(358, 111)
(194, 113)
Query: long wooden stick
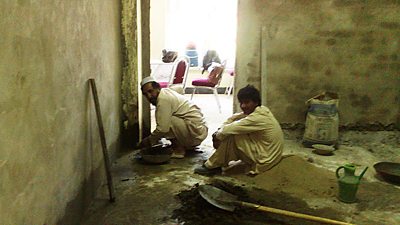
(103, 140)
(289, 213)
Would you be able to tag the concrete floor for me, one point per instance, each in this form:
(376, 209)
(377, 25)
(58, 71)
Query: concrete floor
(147, 194)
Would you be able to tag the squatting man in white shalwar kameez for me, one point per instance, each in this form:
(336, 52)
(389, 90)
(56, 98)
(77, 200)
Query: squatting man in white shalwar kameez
(253, 136)
(177, 119)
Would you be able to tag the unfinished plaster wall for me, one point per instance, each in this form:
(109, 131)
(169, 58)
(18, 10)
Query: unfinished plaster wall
(129, 92)
(51, 161)
(136, 64)
(348, 47)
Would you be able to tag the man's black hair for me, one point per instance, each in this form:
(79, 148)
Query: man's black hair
(249, 93)
(154, 85)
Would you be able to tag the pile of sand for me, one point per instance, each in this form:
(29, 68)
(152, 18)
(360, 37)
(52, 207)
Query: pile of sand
(296, 176)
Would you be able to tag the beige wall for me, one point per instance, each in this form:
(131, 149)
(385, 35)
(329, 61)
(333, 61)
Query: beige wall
(348, 47)
(50, 150)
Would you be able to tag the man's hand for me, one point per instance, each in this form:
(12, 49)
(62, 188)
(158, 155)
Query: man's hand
(215, 140)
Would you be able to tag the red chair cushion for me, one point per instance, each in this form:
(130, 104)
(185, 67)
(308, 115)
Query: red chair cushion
(202, 82)
(215, 75)
(180, 72)
(163, 84)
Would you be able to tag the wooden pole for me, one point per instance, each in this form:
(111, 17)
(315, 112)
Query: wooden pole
(103, 140)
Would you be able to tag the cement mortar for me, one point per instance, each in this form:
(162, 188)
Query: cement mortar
(293, 185)
(196, 210)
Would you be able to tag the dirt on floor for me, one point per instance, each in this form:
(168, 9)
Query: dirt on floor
(302, 182)
(196, 210)
(306, 183)
(294, 185)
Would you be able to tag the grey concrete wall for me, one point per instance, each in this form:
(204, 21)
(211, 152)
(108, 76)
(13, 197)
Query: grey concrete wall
(348, 47)
(50, 153)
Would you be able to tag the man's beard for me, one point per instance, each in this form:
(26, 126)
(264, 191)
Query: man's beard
(153, 101)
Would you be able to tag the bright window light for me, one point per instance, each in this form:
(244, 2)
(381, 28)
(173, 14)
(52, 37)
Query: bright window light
(209, 24)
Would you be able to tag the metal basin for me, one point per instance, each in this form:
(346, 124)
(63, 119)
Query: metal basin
(389, 171)
(156, 154)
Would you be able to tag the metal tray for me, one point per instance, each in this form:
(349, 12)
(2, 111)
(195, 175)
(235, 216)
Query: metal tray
(389, 171)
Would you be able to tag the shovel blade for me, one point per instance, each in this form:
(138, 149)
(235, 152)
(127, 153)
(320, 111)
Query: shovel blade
(218, 197)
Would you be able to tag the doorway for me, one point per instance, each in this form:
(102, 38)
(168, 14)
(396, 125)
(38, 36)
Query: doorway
(205, 25)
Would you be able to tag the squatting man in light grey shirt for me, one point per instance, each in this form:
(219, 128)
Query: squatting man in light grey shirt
(177, 119)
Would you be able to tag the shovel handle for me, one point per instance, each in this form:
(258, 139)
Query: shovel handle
(292, 214)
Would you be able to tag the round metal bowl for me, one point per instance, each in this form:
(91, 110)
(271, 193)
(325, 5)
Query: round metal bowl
(323, 149)
(389, 171)
(156, 154)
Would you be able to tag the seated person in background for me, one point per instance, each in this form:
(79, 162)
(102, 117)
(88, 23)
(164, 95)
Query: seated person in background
(253, 136)
(209, 58)
(177, 119)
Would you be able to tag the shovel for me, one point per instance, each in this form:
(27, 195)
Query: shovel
(229, 202)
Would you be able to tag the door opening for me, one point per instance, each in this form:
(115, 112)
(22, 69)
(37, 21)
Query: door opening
(182, 25)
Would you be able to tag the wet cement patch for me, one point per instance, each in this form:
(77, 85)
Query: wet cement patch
(195, 210)
(294, 185)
